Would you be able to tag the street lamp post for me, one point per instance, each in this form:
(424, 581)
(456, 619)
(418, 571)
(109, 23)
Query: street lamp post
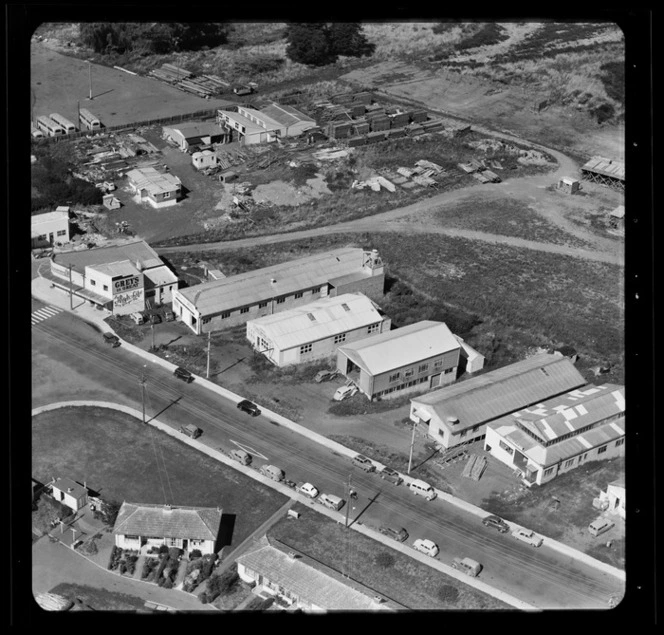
(143, 394)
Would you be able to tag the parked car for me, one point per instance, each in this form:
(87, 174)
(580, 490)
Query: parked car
(331, 501)
(155, 318)
(191, 430)
(496, 523)
(273, 472)
(138, 317)
(169, 316)
(250, 408)
(111, 339)
(344, 392)
(307, 489)
(240, 456)
(391, 475)
(324, 375)
(468, 566)
(401, 535)
(528, 536)
(183, 374)
(426, 546)
(363, 463)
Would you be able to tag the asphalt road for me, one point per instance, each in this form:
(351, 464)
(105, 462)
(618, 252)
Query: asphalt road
(541, 577)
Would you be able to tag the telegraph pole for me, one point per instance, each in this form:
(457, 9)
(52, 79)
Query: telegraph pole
(152, 329)
(143, 394)
(90, 79)
(348, 504)
(207, 373)
(349, 499)
(412, 443)
(71, 291)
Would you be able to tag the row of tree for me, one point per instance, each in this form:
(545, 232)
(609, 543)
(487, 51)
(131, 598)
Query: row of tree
(317, 44)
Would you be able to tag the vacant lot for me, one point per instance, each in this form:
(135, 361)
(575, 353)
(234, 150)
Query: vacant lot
(386, 571)
(121, 458)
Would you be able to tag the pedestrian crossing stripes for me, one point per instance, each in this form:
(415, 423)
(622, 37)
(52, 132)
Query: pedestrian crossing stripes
(44, 313)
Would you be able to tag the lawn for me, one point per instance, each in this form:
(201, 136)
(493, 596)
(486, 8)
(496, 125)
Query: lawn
(126, 461)
(384, 570)
(99, 599)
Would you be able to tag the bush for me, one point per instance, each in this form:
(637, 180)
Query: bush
(222, 583)
(114, 559)
(196, 553)
(168, 584)
(163, 549)
(448, 594)
(203, 597)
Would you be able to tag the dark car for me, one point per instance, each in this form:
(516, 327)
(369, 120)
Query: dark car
(391, 475)
(155, 319)
(364, 463)
(400, 535)
(324, 375)
(496, 523)
(184, 374)
(169, 316)
(112, 339)
(250, 408)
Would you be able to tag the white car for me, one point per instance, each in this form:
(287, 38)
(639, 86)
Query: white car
(343, 392)
(529, 536)
(308, 490)
(428, 547)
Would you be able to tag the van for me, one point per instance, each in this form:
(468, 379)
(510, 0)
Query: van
(241, 456)
(468, 566)
(139, 318)
(191, 430)
(422, 489)
(331, 501)
(599, 526)
(273, 472)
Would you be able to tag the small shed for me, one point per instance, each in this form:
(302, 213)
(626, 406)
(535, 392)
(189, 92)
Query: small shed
(617, 217)
(204, 159)
(568, 185)
(110, 202)
(70, 493)
(228, 176)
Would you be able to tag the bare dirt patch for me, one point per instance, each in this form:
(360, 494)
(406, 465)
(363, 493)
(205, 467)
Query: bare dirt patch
(282, 193)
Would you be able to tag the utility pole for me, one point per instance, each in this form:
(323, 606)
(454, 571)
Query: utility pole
(143, 394)
(152, 329)
(348, 490)
(71, 291)
(348, 504)
(207, 373)
(90, 79)
(412, 443)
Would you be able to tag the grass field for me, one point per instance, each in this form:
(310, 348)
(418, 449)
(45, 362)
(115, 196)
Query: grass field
(400, 578)
(99, 599)
(121, 458)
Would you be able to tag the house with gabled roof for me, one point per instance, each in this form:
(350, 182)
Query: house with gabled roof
(159, 189)
(69, 493)
(303, 583)
(560, 434)
(141, 525)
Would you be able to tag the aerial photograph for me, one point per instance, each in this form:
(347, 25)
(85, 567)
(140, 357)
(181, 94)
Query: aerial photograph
(327, 317)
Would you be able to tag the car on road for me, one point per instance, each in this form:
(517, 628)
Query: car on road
(391, 475)
(528, 536)
(240, 456)
(400, 535)
(191, 430)
(331, 501)
(307, 489)
(426, 546)
(183, 374)
(155, 318)
(111, 339)
(363, 463)
(468, 566)
(345, 391)
(250, 408)
(324, 375)
(273, 472)
(496, 523)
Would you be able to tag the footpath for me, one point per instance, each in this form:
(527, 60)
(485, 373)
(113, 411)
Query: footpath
(42, 291)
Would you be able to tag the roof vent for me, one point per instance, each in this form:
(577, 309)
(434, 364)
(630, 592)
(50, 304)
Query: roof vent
(273, 280)
(452, 419)
(292, 555)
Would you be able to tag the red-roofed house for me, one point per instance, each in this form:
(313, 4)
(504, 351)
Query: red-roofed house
(153, 525)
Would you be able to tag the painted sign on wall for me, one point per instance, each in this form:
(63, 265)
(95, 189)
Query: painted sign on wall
(126, 284)
(124, 303)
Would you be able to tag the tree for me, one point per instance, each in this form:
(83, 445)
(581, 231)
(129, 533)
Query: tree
(309, 44)
(347, 38)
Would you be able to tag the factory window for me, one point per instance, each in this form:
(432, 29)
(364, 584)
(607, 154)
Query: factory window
(225, 315)
(62, 232)
(314, 290)
(206, 320)
(569, 463)
(438, 364)
(422, 368)
(619, 442)
(340, 338)
(601, 450)
(408, 373)
(306, 348)
(281, 300)
(93, 283)
(373, 328)
(449, 370)
(394, 377)
(105, 287)
(299, 294)
(244, 309)
(262, 305)
(41, 237)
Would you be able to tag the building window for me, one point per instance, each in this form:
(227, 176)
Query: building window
(167, 195)
(206, 320)
(506, 447)
(105, 287)
(225, 315)
(62, 232)
(262, 305)
(422, 368)
(281, 300)
(569, 463)
(394, 377)
(93, 283)
(306, 348)
(373, 328)
(339, 338)
(449, 370)
(41, 237)
(548, 472)
(299, 294)
(619, 442)
(602, 449)
(314, 290)
(438, 364)
(408, 373)
(244, 309)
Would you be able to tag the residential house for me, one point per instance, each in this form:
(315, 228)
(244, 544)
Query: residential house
(159, 189)
(314, 331)
(147, 525)
(459, 414)
(560, 434)
(234, 300)
(414, 357)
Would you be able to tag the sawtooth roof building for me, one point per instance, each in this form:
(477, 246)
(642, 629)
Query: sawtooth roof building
(234, 300)
(562, 433)
(314, 331)
(141, 526)
(459, 414)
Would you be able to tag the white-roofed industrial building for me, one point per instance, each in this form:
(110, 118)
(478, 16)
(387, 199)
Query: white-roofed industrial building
(562, 433)
(234, 300)
(415, 357)
(193, 133)
(315, 330)
(157, 188)
(459, 414)
(50, 228)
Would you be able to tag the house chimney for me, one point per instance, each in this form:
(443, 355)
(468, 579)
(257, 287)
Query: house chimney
(291, 555)
(70, 489)
(273, 280)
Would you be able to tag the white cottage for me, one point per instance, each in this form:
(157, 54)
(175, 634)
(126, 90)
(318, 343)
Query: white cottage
(70, 493)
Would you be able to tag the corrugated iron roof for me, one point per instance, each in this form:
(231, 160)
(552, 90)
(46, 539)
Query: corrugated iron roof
(198, 523)
(606, 167)
(251, 287)
(194, 129)
(318, 320)
(408, 345)
(138, 251)
(50, 217)
(122, 268)
(153, 181)
(499, 392)
(285, 115)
